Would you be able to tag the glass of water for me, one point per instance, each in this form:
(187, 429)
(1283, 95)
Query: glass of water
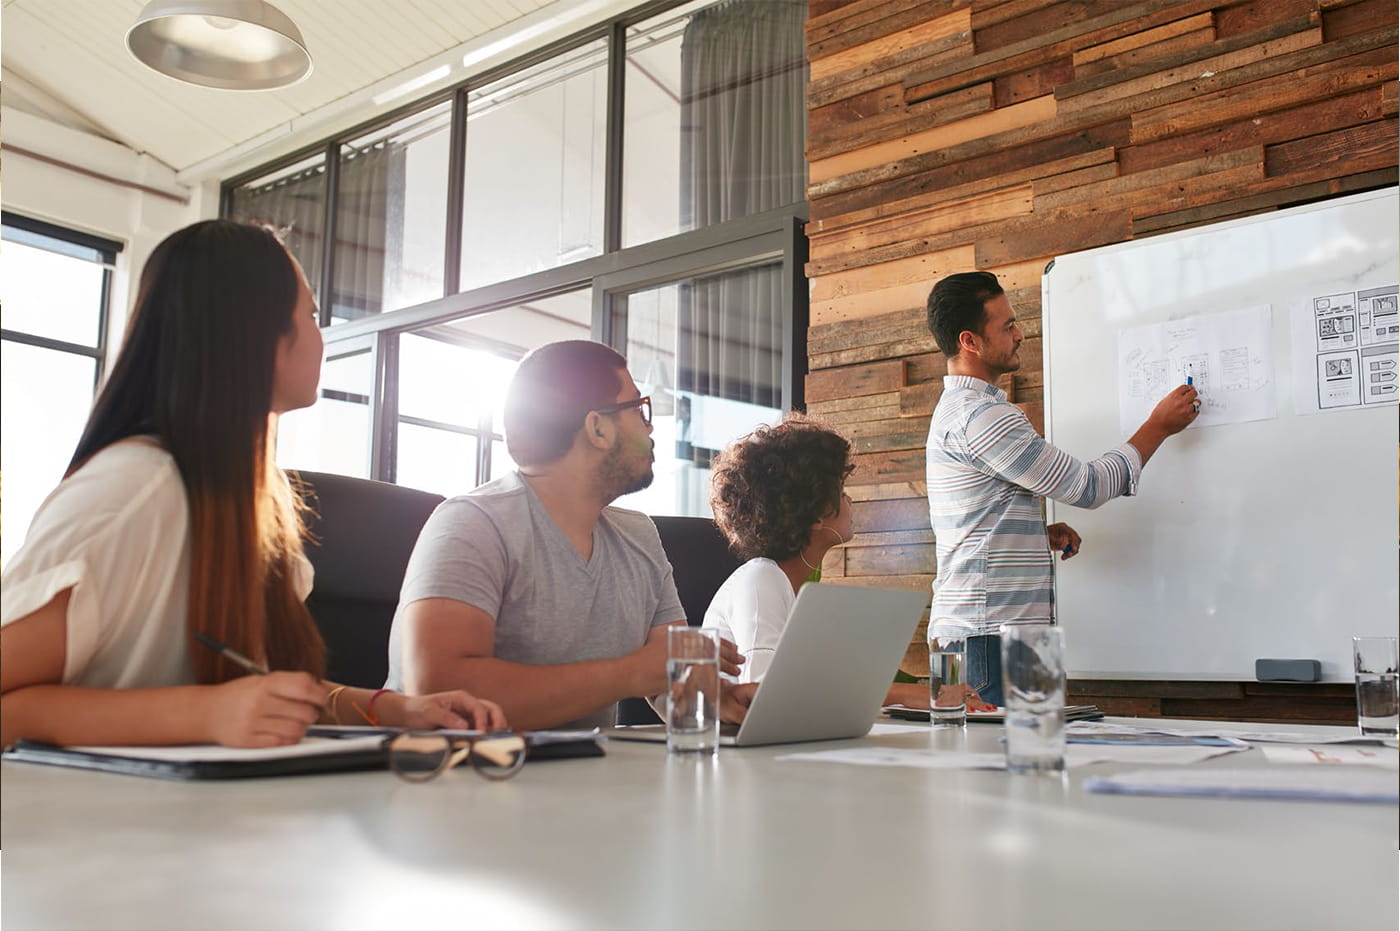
(692, 690)
(947, 683)
(1377, 701)
(1032, 664)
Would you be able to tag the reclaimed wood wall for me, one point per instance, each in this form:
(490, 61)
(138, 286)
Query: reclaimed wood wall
(952, 135)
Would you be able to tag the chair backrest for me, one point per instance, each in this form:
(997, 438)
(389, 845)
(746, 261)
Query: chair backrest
(700, 561)
(362, 535)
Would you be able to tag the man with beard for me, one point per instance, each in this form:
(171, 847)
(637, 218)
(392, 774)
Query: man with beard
(988, 471)
(532, 588)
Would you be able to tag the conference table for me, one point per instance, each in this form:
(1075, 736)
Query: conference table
(643, 839)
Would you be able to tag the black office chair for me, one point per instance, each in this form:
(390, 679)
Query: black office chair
(700, 561)
(366, 532)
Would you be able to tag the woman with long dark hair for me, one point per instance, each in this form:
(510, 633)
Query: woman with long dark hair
(173, 521)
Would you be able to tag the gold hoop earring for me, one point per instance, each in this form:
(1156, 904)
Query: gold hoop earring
(802, 553)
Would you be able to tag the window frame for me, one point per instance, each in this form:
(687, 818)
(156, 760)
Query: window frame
(756, 239)
(108, 249)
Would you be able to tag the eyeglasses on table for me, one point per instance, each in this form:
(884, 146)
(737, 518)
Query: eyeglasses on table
(420, 756)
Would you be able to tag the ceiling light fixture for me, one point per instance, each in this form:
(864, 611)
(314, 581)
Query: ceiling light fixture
(228, 44)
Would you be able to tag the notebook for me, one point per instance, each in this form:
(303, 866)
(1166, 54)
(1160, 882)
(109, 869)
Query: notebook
(323, 750)
(833, 665)
(1072, 713)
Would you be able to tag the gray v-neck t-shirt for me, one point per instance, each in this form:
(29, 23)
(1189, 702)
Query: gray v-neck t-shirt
(497, 549)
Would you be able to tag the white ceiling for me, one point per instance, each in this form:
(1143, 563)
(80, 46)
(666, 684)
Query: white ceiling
(67, 61)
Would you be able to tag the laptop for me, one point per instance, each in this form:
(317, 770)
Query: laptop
(833, 665)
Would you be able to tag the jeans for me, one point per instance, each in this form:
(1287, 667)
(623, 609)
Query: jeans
(984, 667)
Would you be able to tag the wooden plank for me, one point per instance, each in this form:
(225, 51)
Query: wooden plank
(890, 442)
(1021, 275)
(1357, 148)
(891, 560)
(1103, 192)
(871, 304)
(1031, 83)
(1262, 129)
(1036, 170)
(932, 140)
(887, 492)
(1156, 52)
(901, 465)
(894, 121)
(1070, 179)
(917, 400)
(885, 18)
(1122, 20)
(888, 515)
(854, 15)
(889, 47)
(1035, 19)
(1171, 30)
(1186, 66)
(886, 70)
(1187, 57)
(863, 406)
(854, 380)
(998, 205)
(832, 337)
(1251, 101)
(1018, 241)
(897, 349)
(1357, 18)
(836, 122)
(929, 268)
(1258, 14)
(979, 160)
(912, 583)
(1074, 125)
(891, 427)
(892, 538)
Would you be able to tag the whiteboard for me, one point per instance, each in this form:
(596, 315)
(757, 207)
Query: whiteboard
(1266, 538)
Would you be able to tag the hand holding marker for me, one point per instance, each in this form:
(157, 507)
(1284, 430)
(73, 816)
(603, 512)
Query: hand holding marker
(1190, 380)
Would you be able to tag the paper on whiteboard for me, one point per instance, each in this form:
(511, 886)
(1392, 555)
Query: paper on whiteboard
(1344, 350)
(1229, 357)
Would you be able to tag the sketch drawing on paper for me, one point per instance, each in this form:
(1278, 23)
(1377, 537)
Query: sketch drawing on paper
(1228, 356)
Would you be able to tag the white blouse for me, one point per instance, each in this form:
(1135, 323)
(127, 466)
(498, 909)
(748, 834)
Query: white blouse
(751, 608)
(117, 533)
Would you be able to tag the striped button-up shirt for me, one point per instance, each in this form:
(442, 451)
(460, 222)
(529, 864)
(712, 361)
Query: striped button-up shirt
(987, 471)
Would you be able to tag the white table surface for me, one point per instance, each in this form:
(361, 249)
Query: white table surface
(642, 840)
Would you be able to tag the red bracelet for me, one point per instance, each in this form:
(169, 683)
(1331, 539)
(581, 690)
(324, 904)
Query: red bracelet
(369, 707)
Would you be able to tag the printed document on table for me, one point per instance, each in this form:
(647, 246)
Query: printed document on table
(1075, 755)
(1321, 783)
(1345, 350)
(1228, 356)
(1369, 756)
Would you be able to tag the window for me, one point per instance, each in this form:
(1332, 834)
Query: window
(292, 200)
(391, 217)
(534, 168)
(54, 287)
(452, 381)
(715, 116)
(640, 183)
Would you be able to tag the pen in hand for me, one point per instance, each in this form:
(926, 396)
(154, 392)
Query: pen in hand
(231, 654)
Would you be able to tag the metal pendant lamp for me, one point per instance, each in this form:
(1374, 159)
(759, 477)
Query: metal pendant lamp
(228, 44)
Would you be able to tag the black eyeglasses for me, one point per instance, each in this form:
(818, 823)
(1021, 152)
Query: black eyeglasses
(419, 756)
(643, 406)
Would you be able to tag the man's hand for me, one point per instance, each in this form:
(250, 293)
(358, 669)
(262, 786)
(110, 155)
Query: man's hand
(1063, 540)
(1176, 411)
(734, 700)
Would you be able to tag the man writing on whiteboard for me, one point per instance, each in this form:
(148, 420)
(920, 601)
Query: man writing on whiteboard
(988, 470)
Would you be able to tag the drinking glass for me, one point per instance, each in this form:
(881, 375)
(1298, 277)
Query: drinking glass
(1032, 664)
(1377, 701)
(947, 683)
(692, 690)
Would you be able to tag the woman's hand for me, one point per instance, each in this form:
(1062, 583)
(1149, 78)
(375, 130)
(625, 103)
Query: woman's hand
(455, 709)
(264, 711)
